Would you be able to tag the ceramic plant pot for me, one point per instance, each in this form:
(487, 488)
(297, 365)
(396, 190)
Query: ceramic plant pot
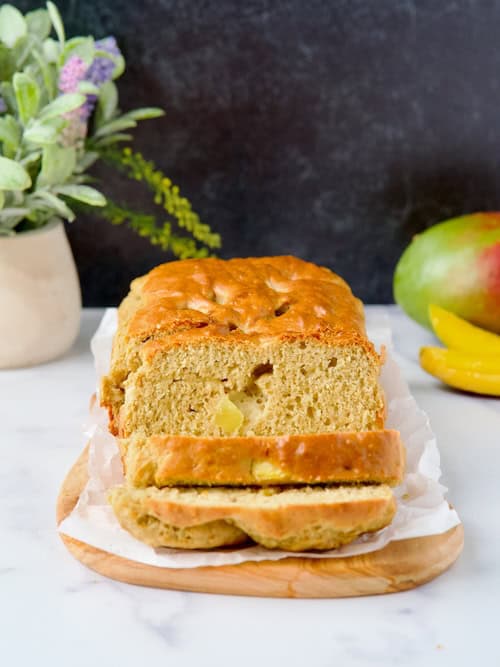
(40, 298)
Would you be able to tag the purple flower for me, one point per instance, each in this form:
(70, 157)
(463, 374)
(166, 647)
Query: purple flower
(3, 106)
(71, 74)
(102, 68)
(73, 71)
(88, 106)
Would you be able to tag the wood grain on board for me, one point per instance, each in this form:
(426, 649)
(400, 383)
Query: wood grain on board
(399, 566)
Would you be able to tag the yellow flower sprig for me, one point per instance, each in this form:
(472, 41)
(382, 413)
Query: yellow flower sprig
(166, 194)
(183, 247)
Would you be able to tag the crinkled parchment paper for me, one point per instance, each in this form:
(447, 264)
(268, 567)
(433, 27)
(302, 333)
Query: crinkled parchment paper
(422, 508)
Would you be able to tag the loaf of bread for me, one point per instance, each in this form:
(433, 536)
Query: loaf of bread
(231, 375)
(296, 519)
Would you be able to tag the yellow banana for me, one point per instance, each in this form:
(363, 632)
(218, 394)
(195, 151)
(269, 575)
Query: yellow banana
(477, 374)
(462, 360)
(458, 334)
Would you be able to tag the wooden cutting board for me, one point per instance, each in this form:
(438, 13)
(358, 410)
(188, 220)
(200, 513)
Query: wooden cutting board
(398, 567)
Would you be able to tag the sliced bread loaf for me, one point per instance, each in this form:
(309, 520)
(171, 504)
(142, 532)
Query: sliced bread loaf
(293, 519)
(231, 375)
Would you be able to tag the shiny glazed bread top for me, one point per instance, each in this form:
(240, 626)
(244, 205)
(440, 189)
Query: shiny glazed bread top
(263, 295)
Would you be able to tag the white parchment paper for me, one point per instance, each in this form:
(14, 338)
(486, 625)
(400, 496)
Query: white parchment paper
(422, 508)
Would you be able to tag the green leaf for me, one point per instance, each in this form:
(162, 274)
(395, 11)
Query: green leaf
(13, 176)
(112, 139)
(88, 88)
(22, 51)
(44, 132)
(38, 23)
(56, 20)
(27, 95)
(144, 113)
(115, 126)
(58, 163)
(48, 74)
(10, 135)
(106, 103)
(51, 50)
(32, 157)
(62, 104)
(12, 25)
(7, 63)
(54, 203)
(83, 47)
(14, 211)
(7, 92)
(10, 217)
(86, 161)
(83, 178)
(2, 199)
(83, 193)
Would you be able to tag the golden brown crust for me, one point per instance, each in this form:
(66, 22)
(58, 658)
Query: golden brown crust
(371, 456)
(274, 522)
(264, 296)
(301, 519)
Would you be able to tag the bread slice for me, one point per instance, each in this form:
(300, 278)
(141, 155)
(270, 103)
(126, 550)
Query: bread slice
(246, 347)
(293, 519)
(369, 456)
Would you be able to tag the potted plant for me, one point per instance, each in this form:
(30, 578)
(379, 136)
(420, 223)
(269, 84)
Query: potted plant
(59, 115)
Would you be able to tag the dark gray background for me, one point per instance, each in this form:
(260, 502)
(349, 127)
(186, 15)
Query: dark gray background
(331, 130)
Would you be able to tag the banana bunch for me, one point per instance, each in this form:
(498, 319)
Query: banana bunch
(471, 361)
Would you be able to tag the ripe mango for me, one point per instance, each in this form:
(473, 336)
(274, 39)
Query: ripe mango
(456, 265)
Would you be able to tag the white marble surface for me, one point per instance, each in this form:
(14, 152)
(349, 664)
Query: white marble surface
(53, 611)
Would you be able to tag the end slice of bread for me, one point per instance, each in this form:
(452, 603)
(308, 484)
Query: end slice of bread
(292, 519)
